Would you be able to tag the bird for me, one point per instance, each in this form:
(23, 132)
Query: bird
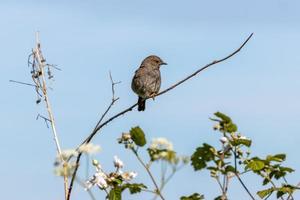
(147, 80)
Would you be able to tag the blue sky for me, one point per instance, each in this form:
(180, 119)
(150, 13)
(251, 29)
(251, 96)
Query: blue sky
(258, 87)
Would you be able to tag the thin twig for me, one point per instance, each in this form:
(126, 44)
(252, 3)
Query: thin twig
(149, 173)
(270, 181)
(222, 185)
(22, 83)
(81, 183)
(238, 176)
(291, 194)
(44, 118)
(94, 132)
(219, 183)
(113, 101)
(165, 180)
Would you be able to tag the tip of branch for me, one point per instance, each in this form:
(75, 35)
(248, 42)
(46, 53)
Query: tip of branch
(37, 37)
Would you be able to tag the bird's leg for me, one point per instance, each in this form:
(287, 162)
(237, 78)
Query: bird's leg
(152, 95)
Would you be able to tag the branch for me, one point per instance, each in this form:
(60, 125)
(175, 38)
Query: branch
(99, 125)
(113, 101)
(238, 176)
(38, 76)
(168, 89)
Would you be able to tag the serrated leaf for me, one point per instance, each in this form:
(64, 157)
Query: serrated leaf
(115, 194)
(256, 165)
(264, 193)
(202, 155)
(194, 196)
(138, 136)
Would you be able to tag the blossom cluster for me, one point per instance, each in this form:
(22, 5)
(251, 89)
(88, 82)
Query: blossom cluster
(64, 165)
(104, 180)
(126, 139)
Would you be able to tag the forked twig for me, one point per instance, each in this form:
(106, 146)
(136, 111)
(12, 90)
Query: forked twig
(113, 101)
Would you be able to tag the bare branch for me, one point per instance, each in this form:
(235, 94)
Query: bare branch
(88, 139)
(22, 83)
(44, 118)
(113, 101)
(238, 176)
(113, 86)
(38, 64)
(99, 125)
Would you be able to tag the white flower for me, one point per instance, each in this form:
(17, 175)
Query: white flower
(89, 148)
(243, 138)
(97, 165)
(127, 176)
(161, 143)
(65, 155)
(217, 127)
(223, 140)
(118, 163)
(126, 136)
(97, 179)
(60, 170)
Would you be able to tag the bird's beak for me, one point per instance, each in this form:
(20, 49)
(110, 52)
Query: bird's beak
(163, 63)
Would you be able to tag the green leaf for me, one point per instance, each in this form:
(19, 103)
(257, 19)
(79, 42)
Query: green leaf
(256, 165)
(223, 117)
(202, 155)
(266, 181)
(134, 187)
(194, 196)
(226, 123)
(138, 136)
(285, 189)
(279, 194)
(264, 193)
(229, 168)
(115, 194)
(231, 127)
(241, 141)
(276, 158)
(286, 169)
(219, 198)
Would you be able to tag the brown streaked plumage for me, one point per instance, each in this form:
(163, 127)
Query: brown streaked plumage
(146, 81)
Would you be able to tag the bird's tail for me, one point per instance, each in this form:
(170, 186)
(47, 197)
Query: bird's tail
(141, 104)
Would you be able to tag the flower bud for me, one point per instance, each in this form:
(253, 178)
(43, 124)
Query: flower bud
(223, 140)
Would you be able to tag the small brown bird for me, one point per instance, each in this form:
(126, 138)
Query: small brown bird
(146, 81)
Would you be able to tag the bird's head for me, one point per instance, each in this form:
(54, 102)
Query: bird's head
(153, 62)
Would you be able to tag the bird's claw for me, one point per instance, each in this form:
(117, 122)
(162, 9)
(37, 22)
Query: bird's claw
(153, 95)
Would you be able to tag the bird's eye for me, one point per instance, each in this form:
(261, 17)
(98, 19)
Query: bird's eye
(157, 61)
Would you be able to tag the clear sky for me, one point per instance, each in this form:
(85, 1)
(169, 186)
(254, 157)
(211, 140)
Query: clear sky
(258, 88)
